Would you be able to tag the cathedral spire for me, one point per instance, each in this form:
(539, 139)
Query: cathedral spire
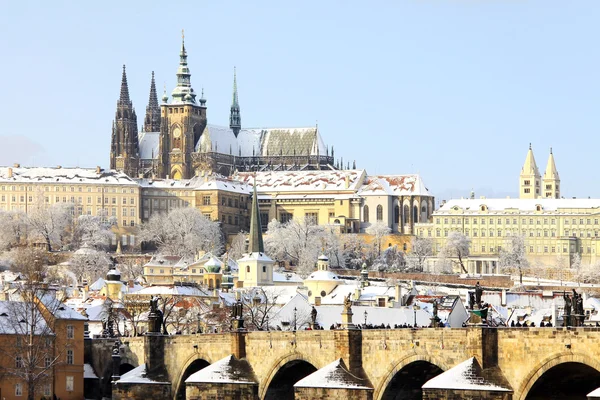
(530, 179)
(124, 97)
(152, 119)
(255, 244)
(551, 180)
(235, 120)
(183, 92)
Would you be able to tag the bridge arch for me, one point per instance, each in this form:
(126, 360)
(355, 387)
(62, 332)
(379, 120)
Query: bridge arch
(194, 363)
(289, 359)
(548, 363)
(400, 365)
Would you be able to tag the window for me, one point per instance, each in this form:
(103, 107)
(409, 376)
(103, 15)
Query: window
(247, 269)
(264, 268)
(70, 357)
(19, 362)
(379, 212)
(366, 214)
(47, 389)
(70, 382)
(206, 200)
(47, 362)
(18, 389)
(70, 331)
(285, 217)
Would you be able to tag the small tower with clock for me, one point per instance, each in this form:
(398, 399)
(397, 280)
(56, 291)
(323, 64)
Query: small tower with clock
(182, 122)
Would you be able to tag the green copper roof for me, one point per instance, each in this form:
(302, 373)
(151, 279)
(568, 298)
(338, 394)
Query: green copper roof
(256, 244)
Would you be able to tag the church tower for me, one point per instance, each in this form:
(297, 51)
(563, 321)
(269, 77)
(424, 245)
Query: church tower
(152, 119)
(182, 124)
(530, 179)
(124, 148)
(255, 268)
(235, 120)
(551, 181)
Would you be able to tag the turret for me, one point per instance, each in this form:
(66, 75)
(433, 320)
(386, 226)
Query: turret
(184, 85)
(152, 119)
(530, 179)
(551, 181)
(235, 120)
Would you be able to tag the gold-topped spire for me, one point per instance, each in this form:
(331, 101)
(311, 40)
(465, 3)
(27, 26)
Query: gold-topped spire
(182, 35)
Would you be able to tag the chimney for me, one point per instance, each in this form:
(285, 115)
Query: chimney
(399, 296)
(17, 165)
(98, 169)
(58, 166)
(357, 294)
(10, 172)
(347, 181)
(130, 283)
(84, 293)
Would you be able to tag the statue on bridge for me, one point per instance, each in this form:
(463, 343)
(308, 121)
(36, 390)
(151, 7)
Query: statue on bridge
(478, 293)
(567, 310)
(237, 315)
(578, 312)
(347, 303)
(155, 317)
(313, 318)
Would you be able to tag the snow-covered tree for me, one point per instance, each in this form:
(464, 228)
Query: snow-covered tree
(183, 232)
(513, 256)
(457, 248)
(93, 230)
(89, 264)
(258, 306)
(13, 227)
(238, 246)
(378, 230)
(420, 249)
(50, 223)
(298, 242)
(390, 260)
(353, 250)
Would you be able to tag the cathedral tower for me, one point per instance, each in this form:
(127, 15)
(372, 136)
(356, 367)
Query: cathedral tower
(124, 149)
(235, 120)
(152, 119)
(530, 179)
(182, 124)
(551, 181)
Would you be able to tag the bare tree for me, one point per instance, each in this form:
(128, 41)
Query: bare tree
(238, 246)
(258, 306)
(130, 267)
(457, 248)
(33, 355)
(378, 230)
(183, 232)
(136, 308)
(420, 249)
(50, 223)
(89, 264)
(513, 256)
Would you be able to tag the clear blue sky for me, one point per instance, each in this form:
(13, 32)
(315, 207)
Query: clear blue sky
(454, 90)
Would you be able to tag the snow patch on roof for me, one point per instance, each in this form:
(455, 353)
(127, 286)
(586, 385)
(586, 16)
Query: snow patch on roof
(334, 375)
(528, 205)
(149, 145)
(304, 181)
(64, 175)
(394, 185)
(226, 370)
(88, 372)
(465, 376)
(138, 375)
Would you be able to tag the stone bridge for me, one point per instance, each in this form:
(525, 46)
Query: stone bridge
(393, 364)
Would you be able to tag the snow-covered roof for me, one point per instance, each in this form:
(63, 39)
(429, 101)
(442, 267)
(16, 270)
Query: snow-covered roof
(173, 290)
(594, 394)
(226, 370)
(323, 276)
(61, 310)
(64, 175)
(138, 375)
(208, 182)
(334, 375)
(16, 318)
(256, 256)
(394, 185)
(464, 376)
(160, 260)
(88, 372)
(304, 181)
(525, 205)
(286, 277)
(261, 141)
(149, 145)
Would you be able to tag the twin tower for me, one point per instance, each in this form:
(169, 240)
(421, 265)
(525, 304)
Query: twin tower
(531, 183)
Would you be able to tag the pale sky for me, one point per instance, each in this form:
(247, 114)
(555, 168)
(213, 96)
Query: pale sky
(453, 89)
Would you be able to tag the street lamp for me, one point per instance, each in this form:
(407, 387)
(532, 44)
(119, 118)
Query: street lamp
(366, 314)
(415, 312)
(198, 323)
(295, 310)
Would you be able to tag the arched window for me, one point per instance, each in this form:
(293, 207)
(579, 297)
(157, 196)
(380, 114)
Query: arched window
(406, 213)
(379, 212)
(397, 214)
(366, 214)
(247, 268)
(415, 214)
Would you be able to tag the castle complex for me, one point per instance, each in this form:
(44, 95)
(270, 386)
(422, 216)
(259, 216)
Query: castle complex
(177, 141)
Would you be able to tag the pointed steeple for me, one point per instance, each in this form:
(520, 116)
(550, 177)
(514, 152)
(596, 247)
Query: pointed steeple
(183, 92)
(255, 244)
(530, 167)
(152, 119)
(551, 181)
(235, 120)
(530, 179)
(124, 97)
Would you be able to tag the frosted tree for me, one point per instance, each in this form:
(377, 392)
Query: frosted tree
(298, 242)
(50, 223)
(353, 250)
(589, 273)
(513, 256)
(130, 267)
(238, 246)
(457, 249)
(258, 306)
(378, 230)
(183, 232)
(420, 249)
(390, 260)
(93, 230)
(89, 264)
(13, 227)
